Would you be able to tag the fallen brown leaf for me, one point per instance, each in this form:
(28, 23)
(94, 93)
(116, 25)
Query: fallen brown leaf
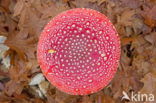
(149, 83)
(126, 17)
(149, 15)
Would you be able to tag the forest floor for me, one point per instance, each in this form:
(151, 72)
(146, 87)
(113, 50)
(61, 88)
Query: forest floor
(21, 22)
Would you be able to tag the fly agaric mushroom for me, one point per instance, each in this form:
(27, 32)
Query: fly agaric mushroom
(78, 51)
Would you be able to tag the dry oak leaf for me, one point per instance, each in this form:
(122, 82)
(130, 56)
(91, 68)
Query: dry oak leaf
(61, 97)
(5, 4)
(88, 4)
(150, 16)
(131, 3)
(18, 74)
(30, 22)
(18, 8)
(13, 87)
(99, 2)
(25, 48)
(151, 38)
(103, 98)
(127, 40)
(126, 17)
(53, 10)
(86, 99)
(99, 97)
(126, 80)
(149, 83)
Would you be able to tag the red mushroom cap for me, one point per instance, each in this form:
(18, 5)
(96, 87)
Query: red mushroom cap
(78, 51)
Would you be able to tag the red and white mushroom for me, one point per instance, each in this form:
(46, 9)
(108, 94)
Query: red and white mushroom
(78, 51)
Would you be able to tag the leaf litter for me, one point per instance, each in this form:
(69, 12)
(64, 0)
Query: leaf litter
(21, 22)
